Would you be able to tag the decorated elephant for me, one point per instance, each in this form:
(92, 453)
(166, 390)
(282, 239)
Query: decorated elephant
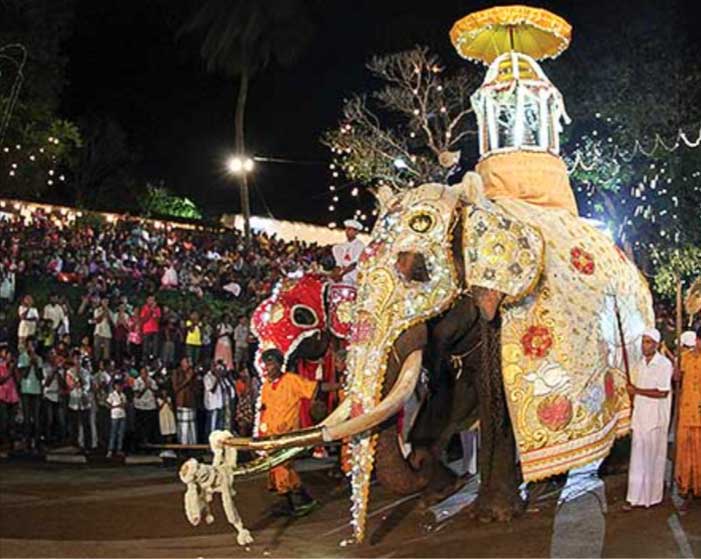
(308, 319)
(538, 287)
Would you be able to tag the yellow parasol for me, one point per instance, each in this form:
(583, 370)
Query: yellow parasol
(486, 34)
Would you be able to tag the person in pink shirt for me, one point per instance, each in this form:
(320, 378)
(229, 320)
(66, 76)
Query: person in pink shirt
(9, 397)
(150, 324)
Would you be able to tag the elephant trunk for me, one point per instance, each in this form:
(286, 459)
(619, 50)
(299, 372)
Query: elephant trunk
(336, 427)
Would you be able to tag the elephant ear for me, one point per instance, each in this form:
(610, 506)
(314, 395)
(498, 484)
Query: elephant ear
(501, 253)
(471, 189)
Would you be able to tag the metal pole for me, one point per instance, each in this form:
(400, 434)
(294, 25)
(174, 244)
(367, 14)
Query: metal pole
(245, 208)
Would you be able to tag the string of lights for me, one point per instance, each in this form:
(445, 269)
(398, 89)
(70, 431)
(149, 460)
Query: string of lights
(627, 155)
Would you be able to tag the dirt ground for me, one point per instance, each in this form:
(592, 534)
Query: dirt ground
(82, 511)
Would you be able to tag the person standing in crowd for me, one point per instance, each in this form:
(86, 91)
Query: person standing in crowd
(241, 333)
(64, 329)
(51, 385)
(166, 417)
(281, 395)
(29, 365)
(170, 339)
(150, 315)
(688, 447)
(193, 338)
(103, 330)
(53, 312)
(7, 283)
(244, 403)
(121, 332)
(222, 351)
(45, 337)
(9, 397)
(134, 338)
(650, 424)
(28, 318)
(117, 402)
(207, 335)
(185, 390)
(347, 254)
(145, 390)
(78, 384)
(101, 384)
(213, 397)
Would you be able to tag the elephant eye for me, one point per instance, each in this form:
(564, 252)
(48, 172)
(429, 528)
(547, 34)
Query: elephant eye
(412, 265)
(304, 316)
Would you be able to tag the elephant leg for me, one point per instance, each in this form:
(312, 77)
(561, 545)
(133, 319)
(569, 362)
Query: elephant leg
(499, 498)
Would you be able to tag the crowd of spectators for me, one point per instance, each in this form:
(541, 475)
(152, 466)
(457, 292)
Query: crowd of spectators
(144, 372)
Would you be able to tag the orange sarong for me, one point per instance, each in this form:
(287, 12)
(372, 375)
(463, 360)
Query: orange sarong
(688, 456)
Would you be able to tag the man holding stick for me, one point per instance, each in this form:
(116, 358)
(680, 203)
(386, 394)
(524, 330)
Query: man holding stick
(650, 393)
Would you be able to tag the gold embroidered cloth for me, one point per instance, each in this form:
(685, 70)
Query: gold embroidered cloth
(561, 348)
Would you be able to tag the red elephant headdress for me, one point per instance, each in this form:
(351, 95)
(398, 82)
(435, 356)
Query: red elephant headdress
(296, 310)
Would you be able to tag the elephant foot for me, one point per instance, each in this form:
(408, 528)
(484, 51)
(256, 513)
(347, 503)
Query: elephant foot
(435, 495)
(496, 506)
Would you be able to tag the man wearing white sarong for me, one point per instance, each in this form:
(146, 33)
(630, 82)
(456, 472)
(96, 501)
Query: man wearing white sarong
(650, 423)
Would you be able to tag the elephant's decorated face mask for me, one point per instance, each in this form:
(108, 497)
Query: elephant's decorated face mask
(406, 276)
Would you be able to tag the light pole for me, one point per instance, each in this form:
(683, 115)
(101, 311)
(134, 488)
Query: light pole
(241, 165)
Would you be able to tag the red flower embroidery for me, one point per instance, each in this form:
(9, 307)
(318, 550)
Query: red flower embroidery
(609, 386)
(582, 261)
(555, 412)
(537, 341)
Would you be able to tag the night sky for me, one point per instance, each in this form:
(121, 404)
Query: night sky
(125, 61)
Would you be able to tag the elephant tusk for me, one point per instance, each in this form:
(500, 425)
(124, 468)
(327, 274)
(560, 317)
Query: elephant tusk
(389, 406)
(299, 439)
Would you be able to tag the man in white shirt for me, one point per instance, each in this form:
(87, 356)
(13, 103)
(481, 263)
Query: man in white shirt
(214, 397)
(146, 407)
(54, 312)
(28, 319)
(117, 402)
(650, 423)
(104, 319)
(347, 254)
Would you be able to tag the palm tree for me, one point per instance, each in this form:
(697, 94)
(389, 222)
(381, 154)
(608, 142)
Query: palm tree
(241, 37)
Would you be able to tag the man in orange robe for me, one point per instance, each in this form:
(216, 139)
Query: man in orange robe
(688, 459)
(280, 413)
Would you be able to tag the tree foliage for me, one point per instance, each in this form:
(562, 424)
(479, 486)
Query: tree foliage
(395, 134)
(159, 201)
(38, 149)
(39, 152)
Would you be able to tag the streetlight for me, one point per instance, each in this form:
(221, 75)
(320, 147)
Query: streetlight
(240, 166)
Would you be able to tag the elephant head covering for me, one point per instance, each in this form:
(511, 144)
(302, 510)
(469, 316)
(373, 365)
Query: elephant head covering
(418, 221)
(294, 312)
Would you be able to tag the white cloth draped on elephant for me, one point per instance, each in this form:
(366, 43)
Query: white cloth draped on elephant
(561, 348)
